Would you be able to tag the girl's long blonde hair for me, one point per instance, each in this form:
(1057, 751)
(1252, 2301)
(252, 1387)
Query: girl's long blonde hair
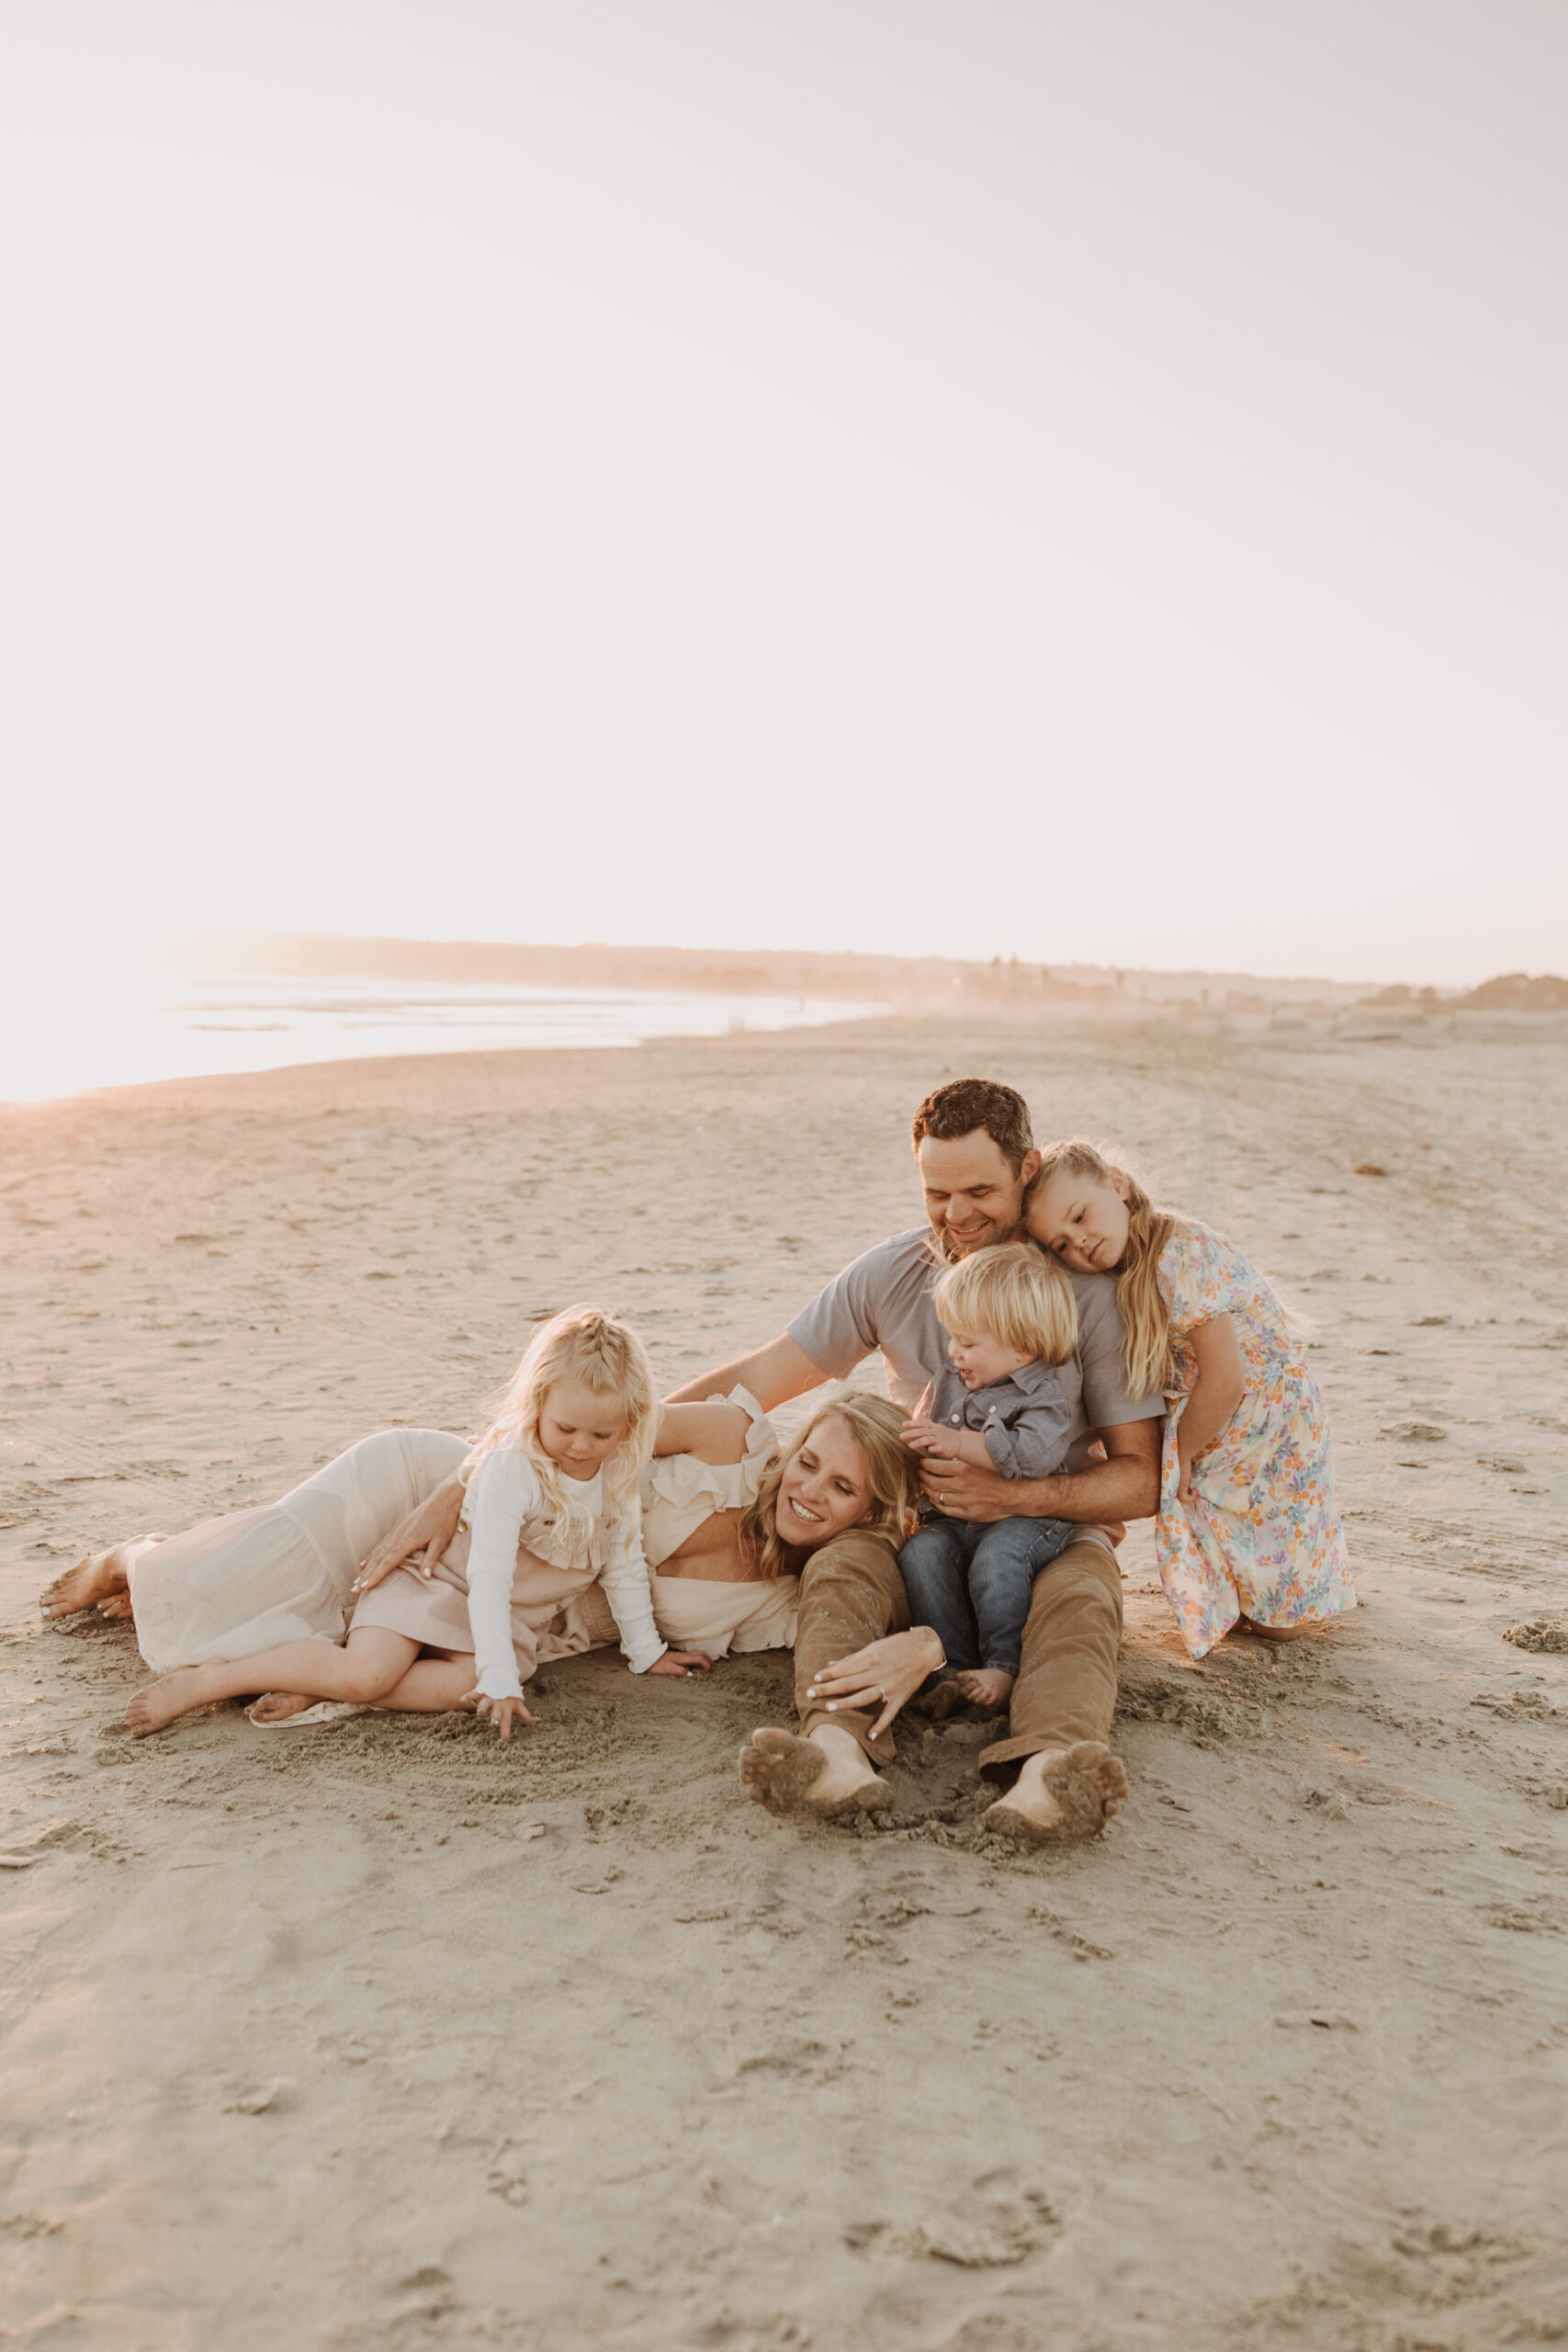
(892, 1473)
(1146, 1358)
(583, 1344)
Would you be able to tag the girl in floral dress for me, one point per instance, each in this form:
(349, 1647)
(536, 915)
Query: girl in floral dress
(1248, 1530)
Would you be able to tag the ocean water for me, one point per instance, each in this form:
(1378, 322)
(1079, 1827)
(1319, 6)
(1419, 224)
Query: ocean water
(197, 1028)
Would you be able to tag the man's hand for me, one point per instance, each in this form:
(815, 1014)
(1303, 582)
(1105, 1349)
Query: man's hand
(429, 1529)
(962, 1490)
(1119, 1481)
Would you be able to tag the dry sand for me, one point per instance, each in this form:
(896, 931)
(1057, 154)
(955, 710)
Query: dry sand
(436, 2044)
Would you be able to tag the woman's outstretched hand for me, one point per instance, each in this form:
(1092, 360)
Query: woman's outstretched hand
(427, 1530)
(886, 1673)
(499, 1711)
(680, 1662)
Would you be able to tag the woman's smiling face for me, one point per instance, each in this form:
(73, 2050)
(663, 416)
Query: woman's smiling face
(1081, 1220)
(823, 1488)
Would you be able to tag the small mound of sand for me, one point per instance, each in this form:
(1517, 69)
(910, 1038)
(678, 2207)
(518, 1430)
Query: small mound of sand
(1538, 1633)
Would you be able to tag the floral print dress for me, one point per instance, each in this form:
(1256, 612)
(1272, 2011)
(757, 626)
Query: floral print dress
(1262, 1537)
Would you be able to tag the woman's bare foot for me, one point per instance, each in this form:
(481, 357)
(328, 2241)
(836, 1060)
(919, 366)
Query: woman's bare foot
(279, 1706)
(171, 1695)
(1064, 1793)
(825, 1774)
(988, 1686)
(94, 1579)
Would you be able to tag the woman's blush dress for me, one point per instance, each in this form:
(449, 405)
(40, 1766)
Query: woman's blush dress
(1262, 1538)
(714, 1615)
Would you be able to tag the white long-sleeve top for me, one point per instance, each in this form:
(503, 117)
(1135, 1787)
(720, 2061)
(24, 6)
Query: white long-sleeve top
(505, 1506)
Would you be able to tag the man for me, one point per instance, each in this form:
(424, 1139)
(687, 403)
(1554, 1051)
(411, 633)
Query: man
(975, 1153)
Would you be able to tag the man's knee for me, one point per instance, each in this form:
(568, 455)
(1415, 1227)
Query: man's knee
(1082, 1583)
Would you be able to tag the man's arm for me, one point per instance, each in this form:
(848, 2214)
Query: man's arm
(1125, 1487)
(774, 1374)
(715, 1430)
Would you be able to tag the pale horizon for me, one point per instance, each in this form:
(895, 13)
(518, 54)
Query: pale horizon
(867, 478)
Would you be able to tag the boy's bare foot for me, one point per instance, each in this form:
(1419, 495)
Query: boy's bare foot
(825, 1774)
(93, 1581)
(277, 1706)
(171, 1695)
(1063, 1793)
(988, 1686)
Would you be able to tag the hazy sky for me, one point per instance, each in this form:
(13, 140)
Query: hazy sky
(1078, 481)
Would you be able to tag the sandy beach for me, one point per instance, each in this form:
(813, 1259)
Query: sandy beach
(435, 2043)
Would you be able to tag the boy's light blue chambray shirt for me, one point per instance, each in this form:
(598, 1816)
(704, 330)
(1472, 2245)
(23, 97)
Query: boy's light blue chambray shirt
(1026, 1419)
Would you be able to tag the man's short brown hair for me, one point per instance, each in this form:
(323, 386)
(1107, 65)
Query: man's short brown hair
(965, 1104)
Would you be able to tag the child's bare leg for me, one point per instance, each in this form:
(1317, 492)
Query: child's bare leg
(279, 1706)
(373, 1661)
(988, 1686)
(435, 1684)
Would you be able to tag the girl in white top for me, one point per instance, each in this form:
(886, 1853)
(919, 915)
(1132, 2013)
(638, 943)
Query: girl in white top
(551, 1506)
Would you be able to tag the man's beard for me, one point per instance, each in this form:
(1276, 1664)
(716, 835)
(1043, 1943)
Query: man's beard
(943, 1244)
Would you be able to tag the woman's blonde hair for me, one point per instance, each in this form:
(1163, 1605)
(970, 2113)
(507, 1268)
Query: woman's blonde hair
(1016, 1295)
(582, 1343)
(892, 1471)
(1145, 1316)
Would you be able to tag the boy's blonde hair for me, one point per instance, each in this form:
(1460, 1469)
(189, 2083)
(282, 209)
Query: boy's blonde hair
(892, 1471)
(582, 1343)
(1145, 1315)
(1016, 1295)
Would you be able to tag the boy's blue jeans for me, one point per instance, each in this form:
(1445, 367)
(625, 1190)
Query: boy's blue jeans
(971, 1581)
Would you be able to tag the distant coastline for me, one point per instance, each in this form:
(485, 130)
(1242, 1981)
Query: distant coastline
(926, 983)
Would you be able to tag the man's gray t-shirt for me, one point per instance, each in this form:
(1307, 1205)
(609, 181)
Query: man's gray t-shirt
(884, 1300)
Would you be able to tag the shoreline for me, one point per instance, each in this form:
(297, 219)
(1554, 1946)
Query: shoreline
(981, 1033)
(268, 1024)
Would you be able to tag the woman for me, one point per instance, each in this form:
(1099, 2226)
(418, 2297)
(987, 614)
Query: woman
(731, 1522)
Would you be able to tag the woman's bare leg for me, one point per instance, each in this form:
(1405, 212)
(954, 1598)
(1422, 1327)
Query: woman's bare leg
(374, 1661)
(97, 1579)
